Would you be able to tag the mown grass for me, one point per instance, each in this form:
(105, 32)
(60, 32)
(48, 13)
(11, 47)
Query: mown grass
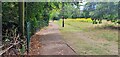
(72, 25)
(86, 38)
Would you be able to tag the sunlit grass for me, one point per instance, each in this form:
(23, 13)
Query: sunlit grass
(80, 20)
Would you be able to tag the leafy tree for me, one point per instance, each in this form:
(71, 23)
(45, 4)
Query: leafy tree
(102, 10)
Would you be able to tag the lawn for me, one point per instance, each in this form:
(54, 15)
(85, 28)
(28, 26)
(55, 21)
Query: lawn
(90, 39)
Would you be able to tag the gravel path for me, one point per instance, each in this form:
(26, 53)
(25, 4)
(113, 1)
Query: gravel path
(48, 41)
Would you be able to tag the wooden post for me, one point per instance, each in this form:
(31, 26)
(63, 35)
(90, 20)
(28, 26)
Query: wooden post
(21, 22)
(118, 9)
(0, 23)
(21, 18)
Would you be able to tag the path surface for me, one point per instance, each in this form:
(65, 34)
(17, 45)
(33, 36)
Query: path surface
(49, 42)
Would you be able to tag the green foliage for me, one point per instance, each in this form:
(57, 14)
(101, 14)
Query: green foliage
(102, 10)
(54, 13)
(10, 12)
(38, 14)
(70, 10)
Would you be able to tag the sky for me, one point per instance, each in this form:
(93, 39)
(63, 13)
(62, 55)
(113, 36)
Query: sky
(83, 3)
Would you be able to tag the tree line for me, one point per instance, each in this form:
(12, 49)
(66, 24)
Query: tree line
(98, 11)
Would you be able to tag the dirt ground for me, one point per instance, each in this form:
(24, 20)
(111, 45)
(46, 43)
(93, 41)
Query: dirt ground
(48, 41)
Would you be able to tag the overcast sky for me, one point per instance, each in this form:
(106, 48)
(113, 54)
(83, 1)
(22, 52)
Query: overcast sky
(83, 3)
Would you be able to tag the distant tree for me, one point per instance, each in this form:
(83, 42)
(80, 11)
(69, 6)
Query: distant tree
(102, 10)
